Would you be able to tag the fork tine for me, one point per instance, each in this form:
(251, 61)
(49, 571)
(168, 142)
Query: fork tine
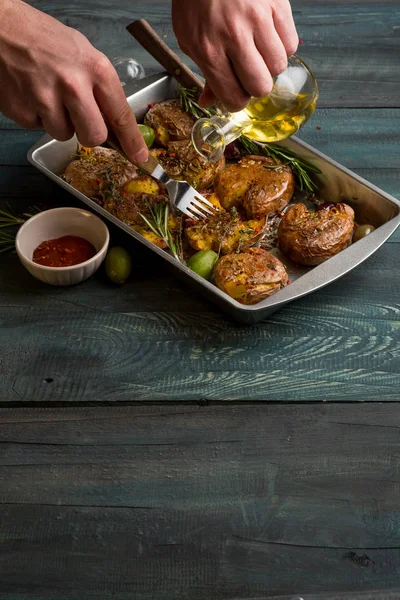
(198, 202)
(205, 212)
(193, 212)
(205, 202)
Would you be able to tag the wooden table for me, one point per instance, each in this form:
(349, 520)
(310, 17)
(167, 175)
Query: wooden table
(152, 449)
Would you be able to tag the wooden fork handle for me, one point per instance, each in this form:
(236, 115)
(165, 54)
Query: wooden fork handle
(112, 140)
(151, 41)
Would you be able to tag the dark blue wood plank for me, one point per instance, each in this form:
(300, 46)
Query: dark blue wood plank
(168, 503)
(155, 340)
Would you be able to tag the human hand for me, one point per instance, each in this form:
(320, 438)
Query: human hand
(53, 78)
(238, 44)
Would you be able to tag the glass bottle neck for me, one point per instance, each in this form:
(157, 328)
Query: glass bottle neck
(211, 136)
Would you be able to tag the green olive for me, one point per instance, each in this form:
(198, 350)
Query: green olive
(203, 263)
(118, 264)
(362, 231)
(148, 135)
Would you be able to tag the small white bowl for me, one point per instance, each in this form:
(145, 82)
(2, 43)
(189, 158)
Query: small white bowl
(56, 223)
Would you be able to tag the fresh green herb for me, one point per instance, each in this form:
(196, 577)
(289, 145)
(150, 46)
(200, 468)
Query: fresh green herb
(188, 98)
(7, 242)
(302, 169)
(274, 167)
(9, 219)
(157, 221)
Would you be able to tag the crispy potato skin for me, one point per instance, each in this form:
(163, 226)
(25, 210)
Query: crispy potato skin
(181, 161)
(129, 207)
(223, 233)
(98, 171)
(251, 184)
(310, 238)
(250, 276)
(169, 121)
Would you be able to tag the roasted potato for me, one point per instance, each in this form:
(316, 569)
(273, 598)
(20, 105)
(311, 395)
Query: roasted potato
(223, 232)
(129, 208)
(181, 161)
(97, 172)
(143, 185)
(213, 198)
(310, 238)
(169, 121)
(250, 276)
(257, 184)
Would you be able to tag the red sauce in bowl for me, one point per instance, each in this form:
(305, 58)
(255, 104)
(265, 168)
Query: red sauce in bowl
(63, 252)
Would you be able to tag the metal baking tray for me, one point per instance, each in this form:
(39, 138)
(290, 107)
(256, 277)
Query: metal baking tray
(336, 183)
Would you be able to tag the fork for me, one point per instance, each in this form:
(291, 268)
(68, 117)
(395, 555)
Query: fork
(182, 195)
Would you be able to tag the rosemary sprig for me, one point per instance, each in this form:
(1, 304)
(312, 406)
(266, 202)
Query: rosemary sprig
(7, 242)
(274, 167)
(302, 169)
(158, 223)
(188, 98)
(8, 218)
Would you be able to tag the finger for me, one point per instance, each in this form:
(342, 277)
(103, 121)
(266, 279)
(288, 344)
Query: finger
(207, 97)
(223, 82)
(251, 70)
(87, 120)
(56, 121)
(112, 102)
(272, 50)
(286, 29)
(23, 117)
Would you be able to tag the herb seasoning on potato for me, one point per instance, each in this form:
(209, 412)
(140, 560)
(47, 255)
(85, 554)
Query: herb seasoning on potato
(253, 191)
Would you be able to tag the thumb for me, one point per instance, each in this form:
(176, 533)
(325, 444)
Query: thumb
(207, 97)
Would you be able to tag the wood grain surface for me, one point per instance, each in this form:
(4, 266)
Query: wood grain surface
(154, 339)
(353, 46)
(204, 490)
(198, 502)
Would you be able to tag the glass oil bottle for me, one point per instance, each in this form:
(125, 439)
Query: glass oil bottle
(275, 117)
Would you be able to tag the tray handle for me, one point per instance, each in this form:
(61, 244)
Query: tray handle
(142, 31)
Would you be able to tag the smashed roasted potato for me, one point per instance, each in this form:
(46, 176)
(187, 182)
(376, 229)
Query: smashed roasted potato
(97, 172)
(169, 122)
(213, 198)
(310, 238)
(130, 207)
(143, 185)
(250, 276)
(223, 232)
(181, 161)
(257, 184)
